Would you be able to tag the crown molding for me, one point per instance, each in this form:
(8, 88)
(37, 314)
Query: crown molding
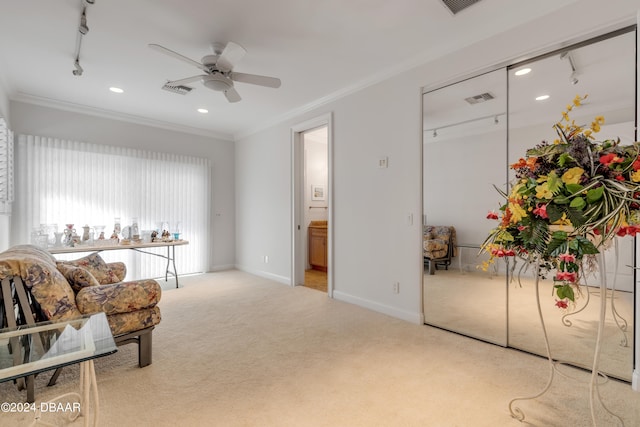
(379, 77)
(108, 114)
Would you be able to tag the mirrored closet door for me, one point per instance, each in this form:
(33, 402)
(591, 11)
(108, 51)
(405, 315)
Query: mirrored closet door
(472, 131)
(464, 155)
(604, 71)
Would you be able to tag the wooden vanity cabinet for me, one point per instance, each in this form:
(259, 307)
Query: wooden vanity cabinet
(318, 245)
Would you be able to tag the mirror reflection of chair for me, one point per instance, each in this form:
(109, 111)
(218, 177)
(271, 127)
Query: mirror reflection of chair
(438, 246)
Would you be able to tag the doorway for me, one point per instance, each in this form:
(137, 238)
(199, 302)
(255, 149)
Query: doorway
(312, 205)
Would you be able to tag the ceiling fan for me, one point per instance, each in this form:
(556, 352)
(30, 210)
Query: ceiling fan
(218, 68)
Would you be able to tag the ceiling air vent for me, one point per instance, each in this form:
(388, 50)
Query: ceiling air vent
(483, 97)
(182, 90)
(456, 6)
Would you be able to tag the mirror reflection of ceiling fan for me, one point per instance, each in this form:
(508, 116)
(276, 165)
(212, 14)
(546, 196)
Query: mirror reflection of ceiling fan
(218, 69)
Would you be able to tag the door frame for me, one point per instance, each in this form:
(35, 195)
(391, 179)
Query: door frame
(298, 249)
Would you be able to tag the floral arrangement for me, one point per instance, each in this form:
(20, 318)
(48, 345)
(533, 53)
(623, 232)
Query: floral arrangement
(569, 198)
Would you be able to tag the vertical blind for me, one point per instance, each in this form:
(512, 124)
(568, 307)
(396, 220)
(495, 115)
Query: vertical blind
(6, 168)
(66, 182)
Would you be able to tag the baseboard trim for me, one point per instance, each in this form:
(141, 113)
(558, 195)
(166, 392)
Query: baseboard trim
(380, 308)
(222, 267)
(275, 277)
(635, 380)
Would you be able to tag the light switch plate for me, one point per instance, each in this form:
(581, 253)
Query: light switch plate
(383, 162)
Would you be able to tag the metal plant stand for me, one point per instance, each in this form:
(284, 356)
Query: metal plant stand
(594, 393)
(620, 321)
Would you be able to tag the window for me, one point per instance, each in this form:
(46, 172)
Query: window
(65, 182)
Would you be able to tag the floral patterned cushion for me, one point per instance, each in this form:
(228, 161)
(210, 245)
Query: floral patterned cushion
(99, 269)
(37, 269)
(436, 241)
(121, 323)
(77, 277)
(120, 297)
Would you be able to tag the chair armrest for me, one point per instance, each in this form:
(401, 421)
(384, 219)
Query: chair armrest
(119, 269)
(123, 297)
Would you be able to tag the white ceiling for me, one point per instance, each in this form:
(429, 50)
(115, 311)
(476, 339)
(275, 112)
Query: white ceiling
(319, 49)
(605, 72)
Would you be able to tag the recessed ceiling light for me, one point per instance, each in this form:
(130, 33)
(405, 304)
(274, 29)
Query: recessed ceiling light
(116, 89)
(203, 110)
(523, 71)
(542, 97)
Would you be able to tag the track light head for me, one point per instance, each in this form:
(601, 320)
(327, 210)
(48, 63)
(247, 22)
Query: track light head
(78, 71)
(83, 28)
(435, 133)
(574, 80)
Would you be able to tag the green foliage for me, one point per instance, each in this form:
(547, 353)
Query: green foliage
(565, 291)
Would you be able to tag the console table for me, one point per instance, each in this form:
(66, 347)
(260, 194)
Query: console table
(50, 345)
(138, 247)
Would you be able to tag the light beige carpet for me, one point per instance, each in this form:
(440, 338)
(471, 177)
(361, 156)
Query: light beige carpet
(238, 350)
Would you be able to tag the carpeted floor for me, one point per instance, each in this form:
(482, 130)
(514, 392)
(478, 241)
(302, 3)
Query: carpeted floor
(237, 350)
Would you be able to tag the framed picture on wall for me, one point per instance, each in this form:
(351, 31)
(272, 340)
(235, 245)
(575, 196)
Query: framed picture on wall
(317, 192)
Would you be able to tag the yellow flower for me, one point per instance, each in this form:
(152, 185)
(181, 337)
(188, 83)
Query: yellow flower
(517, 212)
(588, 133)
(557, 141)
(565, 116)
(569, 107)
(577, 101)
(572, 176)
(563, 220)
(543, 191)
(635, 177)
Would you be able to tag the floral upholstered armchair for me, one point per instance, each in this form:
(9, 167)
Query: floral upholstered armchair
(438, 246)
(46, 289)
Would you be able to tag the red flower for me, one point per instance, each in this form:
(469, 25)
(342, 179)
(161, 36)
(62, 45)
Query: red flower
(566, 276)
(492, 215)
(567, 257)
(636, 164)
(629, 230)
(619, 177)
(607, 159)
(561, 304)
(541, 211)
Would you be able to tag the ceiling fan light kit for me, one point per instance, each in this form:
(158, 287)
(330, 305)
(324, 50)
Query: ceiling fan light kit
(217, 82)
(219, 75)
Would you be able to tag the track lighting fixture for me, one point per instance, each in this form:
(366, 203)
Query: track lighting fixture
(83, 29)
(83, 23)
(435, 133)
(572, 78)
(495, 120)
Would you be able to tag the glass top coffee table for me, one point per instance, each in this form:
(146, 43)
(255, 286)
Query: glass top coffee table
(50, 345)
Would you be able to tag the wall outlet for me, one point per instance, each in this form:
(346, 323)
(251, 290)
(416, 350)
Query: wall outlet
(383, 162)
(396, 287)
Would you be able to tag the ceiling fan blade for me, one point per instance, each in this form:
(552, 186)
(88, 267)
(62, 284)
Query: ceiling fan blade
(231, 55)
(176, 55)
(186, 81)
(232, 95)
(255, 79)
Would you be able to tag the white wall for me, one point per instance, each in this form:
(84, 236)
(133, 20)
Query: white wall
(37, 120)
(373, 245)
